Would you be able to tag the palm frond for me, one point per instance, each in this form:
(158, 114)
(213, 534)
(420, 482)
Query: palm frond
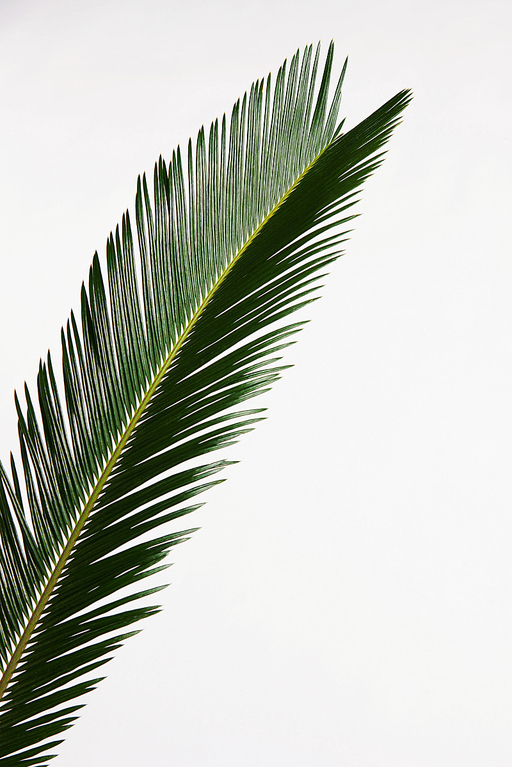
(153, 376)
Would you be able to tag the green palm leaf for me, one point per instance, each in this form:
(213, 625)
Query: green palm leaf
(154, 374)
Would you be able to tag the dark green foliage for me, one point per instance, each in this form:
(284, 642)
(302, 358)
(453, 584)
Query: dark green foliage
(153, 377)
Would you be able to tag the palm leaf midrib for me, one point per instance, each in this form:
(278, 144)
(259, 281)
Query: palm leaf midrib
(117, 452)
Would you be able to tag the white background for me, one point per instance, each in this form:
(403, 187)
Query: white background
(347, 601)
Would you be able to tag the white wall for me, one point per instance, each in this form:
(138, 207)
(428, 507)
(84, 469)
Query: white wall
(348, 599)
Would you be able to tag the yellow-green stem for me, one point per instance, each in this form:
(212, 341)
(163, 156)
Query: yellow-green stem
(43, 600)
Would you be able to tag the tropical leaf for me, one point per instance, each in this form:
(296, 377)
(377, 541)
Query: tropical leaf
(153, 376)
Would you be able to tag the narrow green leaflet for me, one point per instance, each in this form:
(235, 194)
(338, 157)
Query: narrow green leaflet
(156, 373)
